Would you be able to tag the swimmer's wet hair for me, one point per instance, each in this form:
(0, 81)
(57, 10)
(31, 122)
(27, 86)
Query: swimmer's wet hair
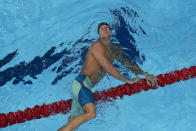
(102, 23)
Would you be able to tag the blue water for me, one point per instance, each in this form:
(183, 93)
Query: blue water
(43, 46)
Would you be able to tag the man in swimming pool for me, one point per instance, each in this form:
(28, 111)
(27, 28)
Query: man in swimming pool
(99, 60)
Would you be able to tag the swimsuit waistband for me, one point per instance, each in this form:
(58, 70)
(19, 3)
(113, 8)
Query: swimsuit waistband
(85, 80)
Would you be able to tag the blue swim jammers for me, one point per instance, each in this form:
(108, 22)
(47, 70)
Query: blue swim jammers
(81, 93)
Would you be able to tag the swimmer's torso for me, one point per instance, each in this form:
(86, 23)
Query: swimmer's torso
(92, 68)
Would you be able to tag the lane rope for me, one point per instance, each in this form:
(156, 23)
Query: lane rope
(64, 106)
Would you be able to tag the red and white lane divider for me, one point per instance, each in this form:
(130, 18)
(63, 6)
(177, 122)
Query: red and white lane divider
(63, 106)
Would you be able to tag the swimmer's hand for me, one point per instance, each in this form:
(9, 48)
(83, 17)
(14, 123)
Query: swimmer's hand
(135, 80)
(151, 79)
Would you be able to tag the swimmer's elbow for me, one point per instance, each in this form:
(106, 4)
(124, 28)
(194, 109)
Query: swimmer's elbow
(113, 72)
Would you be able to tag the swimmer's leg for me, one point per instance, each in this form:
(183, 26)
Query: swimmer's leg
(89, 113)
(71, 118)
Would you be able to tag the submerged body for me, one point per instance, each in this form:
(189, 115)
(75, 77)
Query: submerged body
(99, 59)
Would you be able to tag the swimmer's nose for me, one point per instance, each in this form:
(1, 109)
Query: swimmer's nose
(105, 30)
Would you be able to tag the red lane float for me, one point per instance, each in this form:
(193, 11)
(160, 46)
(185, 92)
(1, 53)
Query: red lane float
(63, 106)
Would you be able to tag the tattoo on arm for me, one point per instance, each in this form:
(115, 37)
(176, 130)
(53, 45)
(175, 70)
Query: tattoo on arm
(128, 64)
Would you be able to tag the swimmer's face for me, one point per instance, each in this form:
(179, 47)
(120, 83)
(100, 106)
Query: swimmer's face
(104, 31)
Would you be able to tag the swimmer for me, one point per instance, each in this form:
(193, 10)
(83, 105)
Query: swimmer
(99, 59)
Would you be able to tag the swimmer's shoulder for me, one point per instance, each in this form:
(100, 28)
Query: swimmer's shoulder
(97, 42)
(96, 46)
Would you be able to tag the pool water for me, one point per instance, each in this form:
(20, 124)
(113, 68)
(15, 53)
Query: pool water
(43, 46)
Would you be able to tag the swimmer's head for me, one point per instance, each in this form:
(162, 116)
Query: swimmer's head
(104, 30)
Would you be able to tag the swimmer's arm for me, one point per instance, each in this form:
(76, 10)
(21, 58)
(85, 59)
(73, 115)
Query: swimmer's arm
(127, 63)
(99, 54)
